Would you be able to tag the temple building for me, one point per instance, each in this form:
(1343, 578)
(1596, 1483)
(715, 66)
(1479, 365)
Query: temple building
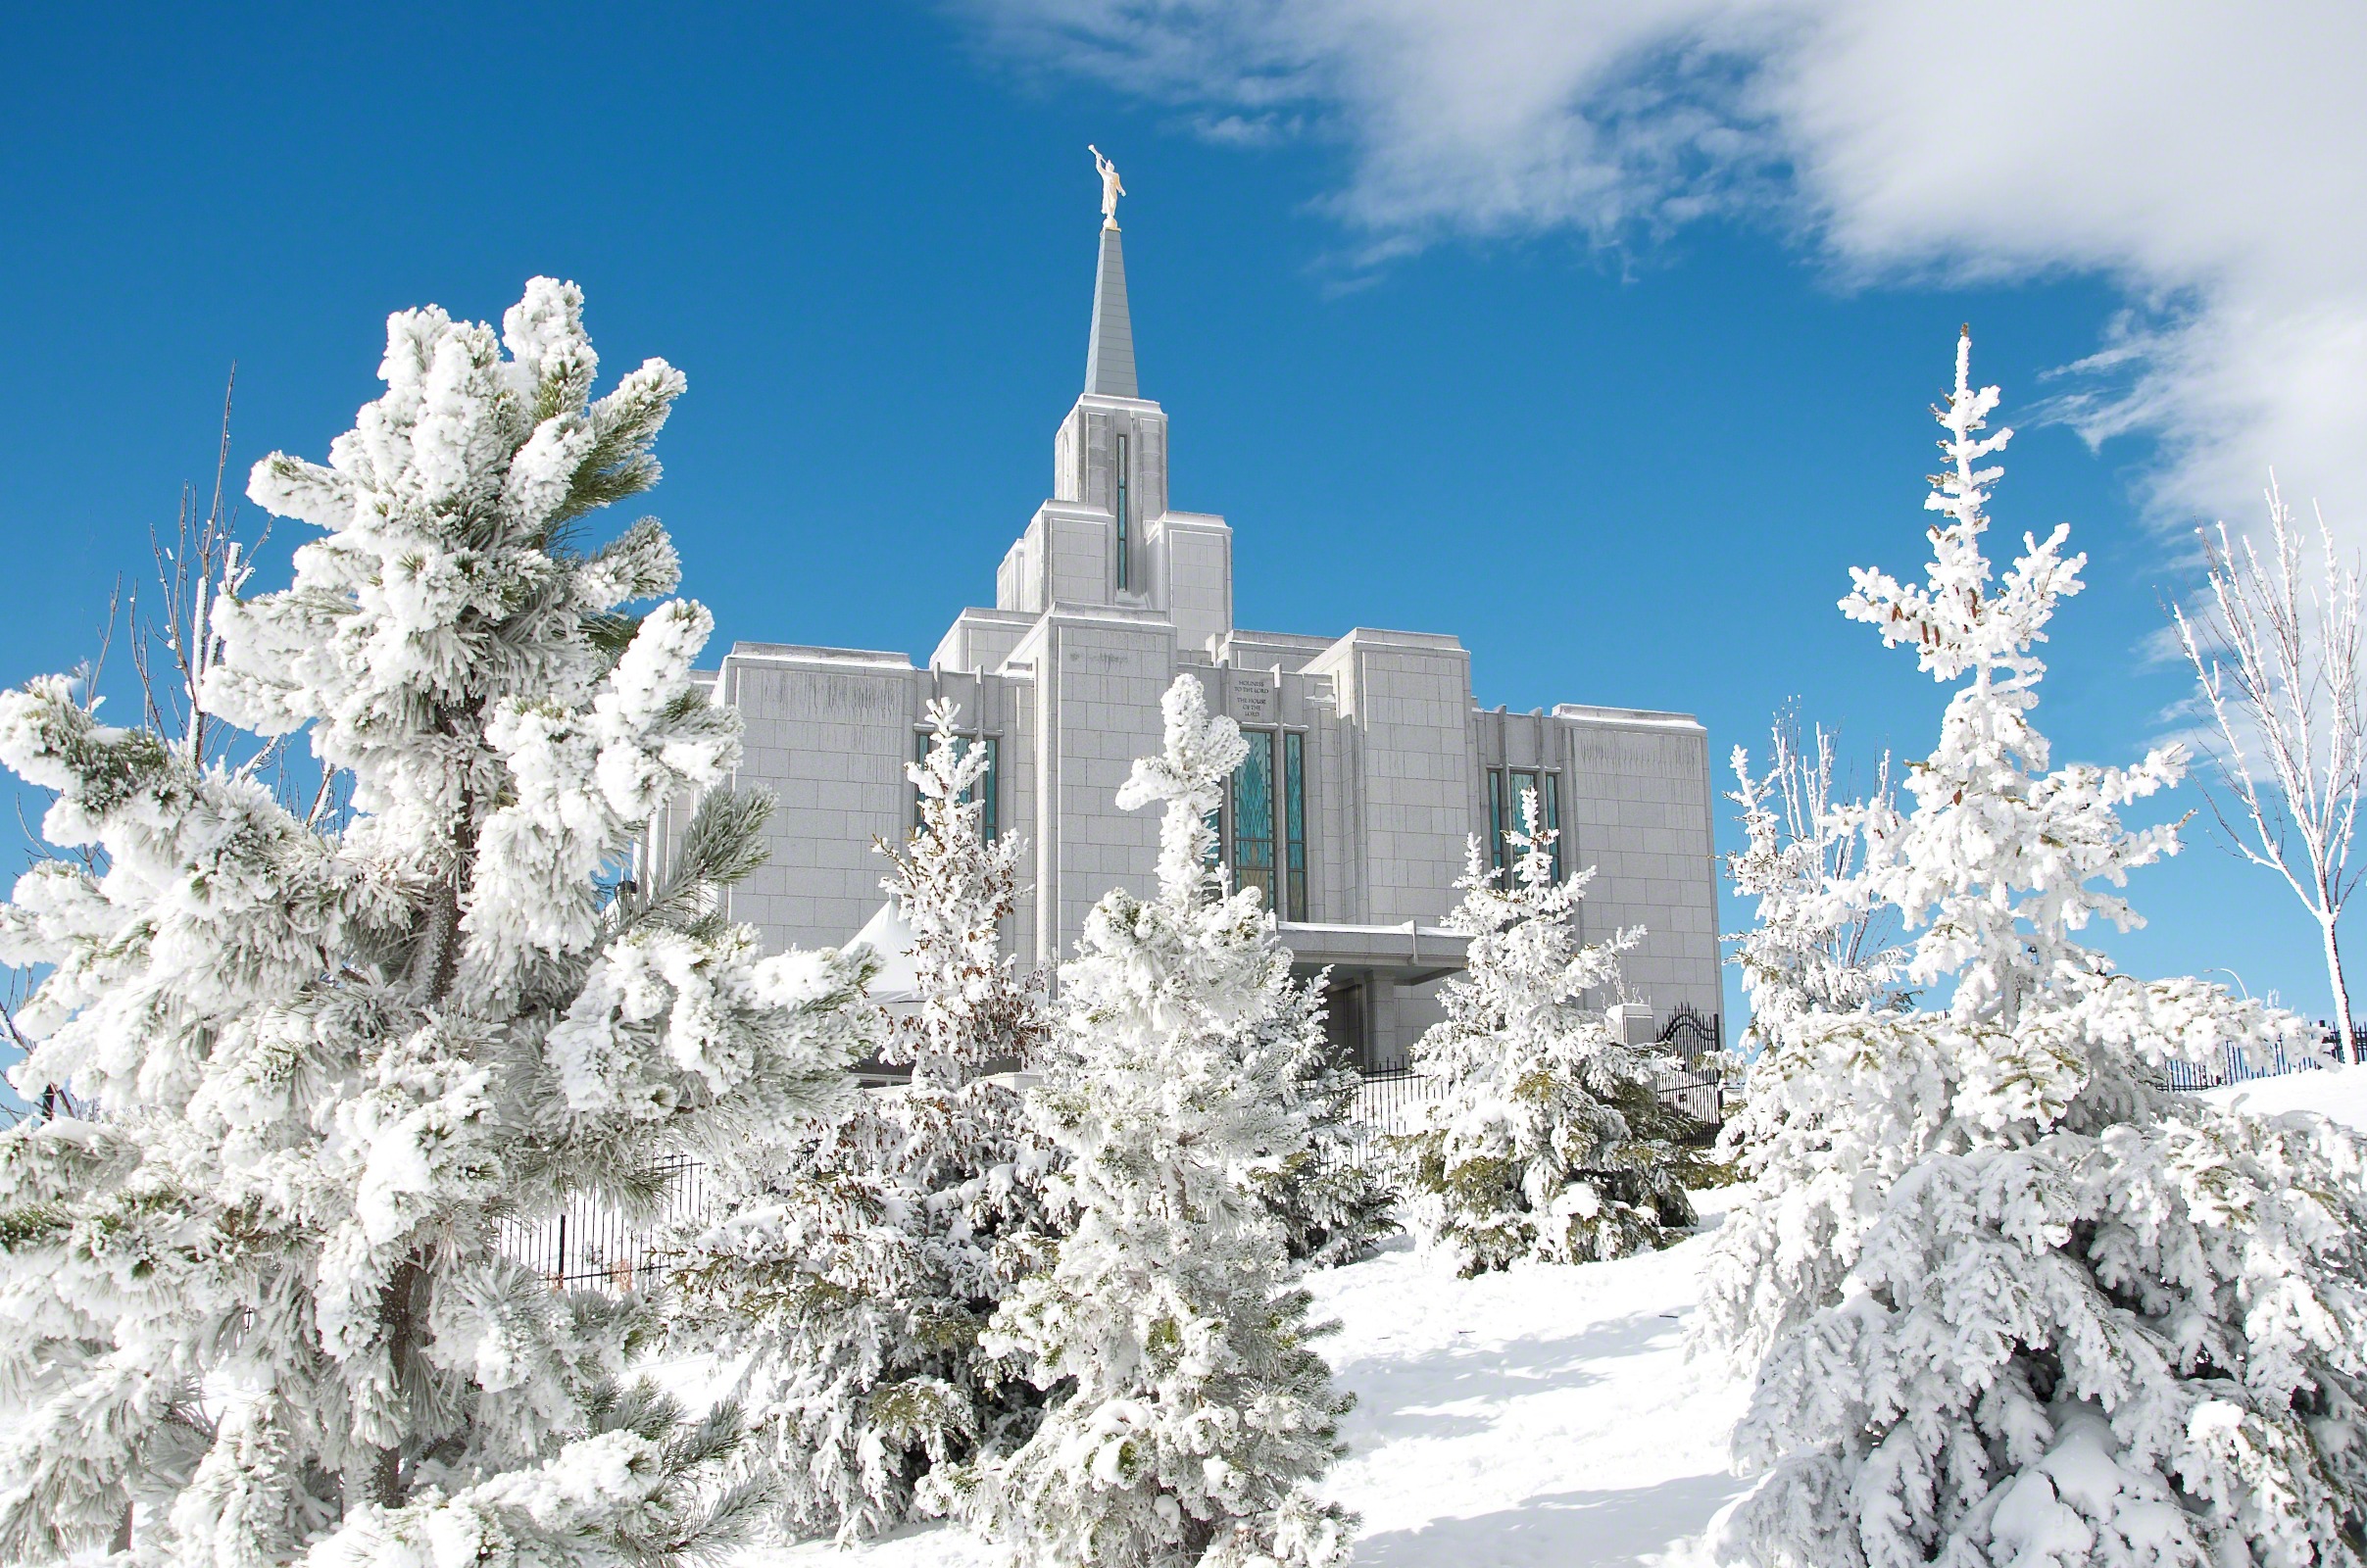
(1370, 765)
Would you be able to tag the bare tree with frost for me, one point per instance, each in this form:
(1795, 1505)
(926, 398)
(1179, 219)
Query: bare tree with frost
(256, 1308)
(2065, 1315)
(2276, 650)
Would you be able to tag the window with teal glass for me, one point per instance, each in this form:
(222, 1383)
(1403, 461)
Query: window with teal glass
(1506, 789)
(1548, 787)
(1254, 816)
(1294, 823)
(1123, 551)
(1498, 822)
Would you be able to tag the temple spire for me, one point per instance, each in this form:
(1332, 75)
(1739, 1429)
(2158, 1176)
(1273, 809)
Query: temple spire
(1110, 356)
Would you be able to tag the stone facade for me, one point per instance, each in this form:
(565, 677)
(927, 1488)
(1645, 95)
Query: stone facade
(1373, 768)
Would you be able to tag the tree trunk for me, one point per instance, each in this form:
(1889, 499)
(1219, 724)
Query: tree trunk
(2348, 1046)
(398, 1317)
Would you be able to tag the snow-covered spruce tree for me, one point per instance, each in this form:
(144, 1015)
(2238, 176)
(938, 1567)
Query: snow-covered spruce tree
(1548, 1139)
(1815, 972)
(1189, 1413)
(256, 1308)
(1816, 946)
(2087, 1320)
(852, 1281)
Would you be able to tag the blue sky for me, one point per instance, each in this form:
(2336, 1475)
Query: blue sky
(1622, 434)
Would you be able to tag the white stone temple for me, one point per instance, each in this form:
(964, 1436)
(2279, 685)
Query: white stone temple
(1370, 765)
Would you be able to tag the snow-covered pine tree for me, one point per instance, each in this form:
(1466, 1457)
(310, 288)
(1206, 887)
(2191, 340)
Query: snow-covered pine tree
(1816, 946)
(1548, 1139)
(1190, 1414)
(851, 1282)
(2087, 1320)
(1815, 969)
(256, 1308)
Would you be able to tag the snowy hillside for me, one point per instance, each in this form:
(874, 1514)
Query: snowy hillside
(1547, 1415)
(2341, 1094)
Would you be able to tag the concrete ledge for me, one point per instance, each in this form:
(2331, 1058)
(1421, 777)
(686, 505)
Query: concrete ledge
(1408, 954)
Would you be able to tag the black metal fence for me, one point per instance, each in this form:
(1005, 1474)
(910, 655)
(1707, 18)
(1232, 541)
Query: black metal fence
(1693, 1035)
(1391, 1104)
(592, 1243)
(1699, 1094)
(2236, 1066)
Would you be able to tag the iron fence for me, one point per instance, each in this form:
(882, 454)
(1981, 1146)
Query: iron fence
(1700, 1094)
(2236, 1067)
(593, 1243)
(1391, 1104)
(590, 1243)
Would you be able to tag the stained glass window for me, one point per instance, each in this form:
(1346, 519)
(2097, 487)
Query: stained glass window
(1498, 822)
(1549, 788)
(1294, 823)
(1254, 816)
(1506, 786)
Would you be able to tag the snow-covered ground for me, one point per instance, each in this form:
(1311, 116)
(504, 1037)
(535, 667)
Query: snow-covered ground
(1547, 1415)
(2340, 1093)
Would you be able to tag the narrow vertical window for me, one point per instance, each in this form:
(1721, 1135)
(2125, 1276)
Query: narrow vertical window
(1549, 786)
(984, 791)
(1294, 823)
(1122, 541)
(988, 824)
(920, 755)
(1254, 815)
(1496, 819)
(1520, 785)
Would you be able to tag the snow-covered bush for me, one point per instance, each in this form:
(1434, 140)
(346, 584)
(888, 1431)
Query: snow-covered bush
(852, 1281)
(1189, 1410)
(1548, 1139)
(2062, 1315)
(1333, 1207)
(256, 1307)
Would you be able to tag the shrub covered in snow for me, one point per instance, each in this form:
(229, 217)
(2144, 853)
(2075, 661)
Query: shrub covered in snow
(1189, 1409)
(257, 1308)
(2019, 1302)
(851, 1281)
(1333, 1207)
(1549, 1139)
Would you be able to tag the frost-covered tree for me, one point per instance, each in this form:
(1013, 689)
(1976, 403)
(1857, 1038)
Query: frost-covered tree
(851, 1282)
(256, 1307)
(2072, 1316)
(2279, 659)
(1333, 1206)
(1548, 1139)
(1189, 1412)
(1816, 944)
(1814, 969)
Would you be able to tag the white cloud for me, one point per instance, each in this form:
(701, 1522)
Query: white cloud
(2209, 159)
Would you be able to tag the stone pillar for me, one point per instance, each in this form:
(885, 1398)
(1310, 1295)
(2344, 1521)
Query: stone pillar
(1632, 1025)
